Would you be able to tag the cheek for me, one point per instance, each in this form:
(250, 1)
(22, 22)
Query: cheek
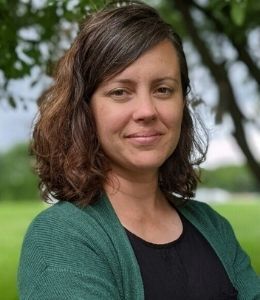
(100, 118)
(109, 122)
(173, 118)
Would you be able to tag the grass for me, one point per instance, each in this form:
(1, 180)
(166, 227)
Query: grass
(16, 216)
(14, 219)
(244, 217)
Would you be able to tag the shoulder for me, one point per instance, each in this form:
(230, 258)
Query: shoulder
(57, 221)
(203, 212)
(64, 225)
(65, 236)
(65, 244)
(58, 215)
(208, 221)
(219, 233)
(215, 228)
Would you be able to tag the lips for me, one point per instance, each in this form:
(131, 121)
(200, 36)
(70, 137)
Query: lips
(144, 134)
(147, 138)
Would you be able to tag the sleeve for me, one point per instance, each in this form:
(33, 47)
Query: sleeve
(60, 261)
(246, 280)
(56, 284)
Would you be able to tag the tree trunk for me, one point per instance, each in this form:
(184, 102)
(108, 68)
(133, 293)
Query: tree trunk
(226, 94)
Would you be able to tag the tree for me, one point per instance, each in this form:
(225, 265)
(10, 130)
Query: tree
(34, 34)
(226, 22)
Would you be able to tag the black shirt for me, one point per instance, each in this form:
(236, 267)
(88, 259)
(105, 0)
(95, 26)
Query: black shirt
(185, 269)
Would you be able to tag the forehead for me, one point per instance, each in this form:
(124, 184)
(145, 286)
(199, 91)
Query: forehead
(158, 61)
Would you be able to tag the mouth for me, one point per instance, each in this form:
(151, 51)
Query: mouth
(144, 134)
(145, 138)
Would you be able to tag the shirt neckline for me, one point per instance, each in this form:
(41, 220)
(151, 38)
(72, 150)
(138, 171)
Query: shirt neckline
(163, 245)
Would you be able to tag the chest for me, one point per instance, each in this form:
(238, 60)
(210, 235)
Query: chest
(186, 268)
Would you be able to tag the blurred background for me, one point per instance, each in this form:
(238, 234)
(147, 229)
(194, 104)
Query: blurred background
(222, 45)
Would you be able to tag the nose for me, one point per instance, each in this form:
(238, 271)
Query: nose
(145, 109)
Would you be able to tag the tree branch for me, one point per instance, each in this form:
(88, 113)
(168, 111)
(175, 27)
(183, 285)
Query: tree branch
(224, 86)
(243, 55)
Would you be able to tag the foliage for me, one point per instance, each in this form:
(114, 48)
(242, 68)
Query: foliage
(34, 34)
(17, 180)
(224, 35)
(230, 178)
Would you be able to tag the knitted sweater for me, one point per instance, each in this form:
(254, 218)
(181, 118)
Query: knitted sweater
(74, 254)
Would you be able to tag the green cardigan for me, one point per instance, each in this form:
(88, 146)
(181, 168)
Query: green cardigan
(75, 254)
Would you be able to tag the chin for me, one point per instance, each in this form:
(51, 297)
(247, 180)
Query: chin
(147, 165)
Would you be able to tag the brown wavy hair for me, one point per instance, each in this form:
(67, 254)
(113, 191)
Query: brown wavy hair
(69, 160)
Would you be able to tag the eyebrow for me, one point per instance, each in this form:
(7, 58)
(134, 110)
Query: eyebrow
(156, 80)
(166, 78)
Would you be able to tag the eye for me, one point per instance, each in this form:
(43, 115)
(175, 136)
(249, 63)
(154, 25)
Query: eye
(164, 91)
(119, 94)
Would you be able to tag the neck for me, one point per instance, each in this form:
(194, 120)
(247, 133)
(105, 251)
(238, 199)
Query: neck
(134, 194)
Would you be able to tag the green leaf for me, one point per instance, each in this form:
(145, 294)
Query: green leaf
(238, 12)
(3, 2)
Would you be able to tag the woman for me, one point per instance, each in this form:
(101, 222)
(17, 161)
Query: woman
(115, 144)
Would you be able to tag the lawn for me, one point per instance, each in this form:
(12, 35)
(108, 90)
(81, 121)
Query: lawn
(245, 219)
(16, 216)
(14, 219)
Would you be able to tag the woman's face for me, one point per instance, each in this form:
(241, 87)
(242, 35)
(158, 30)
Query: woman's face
(138, 112)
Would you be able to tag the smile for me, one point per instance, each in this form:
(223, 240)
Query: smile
(147, 138)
